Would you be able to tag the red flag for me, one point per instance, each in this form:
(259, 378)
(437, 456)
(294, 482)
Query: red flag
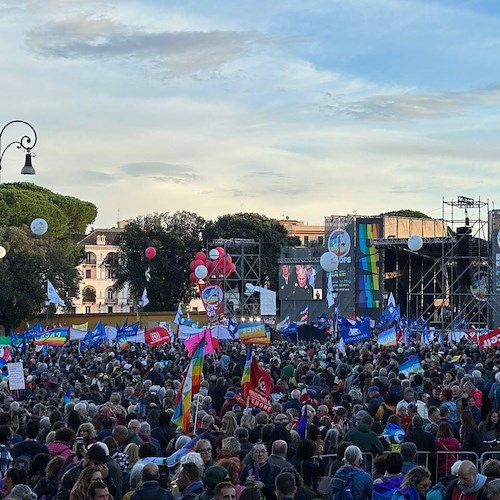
(260, 380)
(156, 336)
(399, 336)
(490, 339)
(260, 387)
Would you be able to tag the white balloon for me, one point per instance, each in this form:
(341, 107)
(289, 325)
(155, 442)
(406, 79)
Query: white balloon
(415, 242)
(3, 252)
(39, 226)
(201, 272)
(329, 262)
(214, 254)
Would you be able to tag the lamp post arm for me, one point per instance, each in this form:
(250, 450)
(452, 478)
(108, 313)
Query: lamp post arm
(25, 142)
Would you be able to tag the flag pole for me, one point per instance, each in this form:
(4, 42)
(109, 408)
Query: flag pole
(196, 413)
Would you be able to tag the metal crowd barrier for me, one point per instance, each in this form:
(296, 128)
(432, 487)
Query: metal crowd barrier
(430, 460)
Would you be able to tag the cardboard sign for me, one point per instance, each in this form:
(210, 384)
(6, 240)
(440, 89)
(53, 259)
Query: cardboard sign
(16, 376)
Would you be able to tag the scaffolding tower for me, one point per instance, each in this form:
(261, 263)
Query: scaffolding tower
(246, 255)
(453, 292)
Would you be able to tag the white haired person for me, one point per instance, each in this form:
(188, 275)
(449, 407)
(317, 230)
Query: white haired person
(351, 477)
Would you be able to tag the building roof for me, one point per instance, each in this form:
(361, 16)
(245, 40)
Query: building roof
(112, 236)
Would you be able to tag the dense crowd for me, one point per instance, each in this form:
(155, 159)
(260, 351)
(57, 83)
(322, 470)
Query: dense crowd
(94, 425)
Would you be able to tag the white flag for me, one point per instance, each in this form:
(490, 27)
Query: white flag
(341, 346)
(144, 298)
(53, 296)
(329, 293)
(179, 317)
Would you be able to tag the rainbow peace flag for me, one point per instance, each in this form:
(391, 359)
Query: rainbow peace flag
(388, 338)
(254, 333)
(55, 337)
(190, 387)
(245, 379)
(410, 366)
(122, 342)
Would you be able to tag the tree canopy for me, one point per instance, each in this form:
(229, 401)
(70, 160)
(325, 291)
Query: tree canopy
(176, 238)
(30, 259)
(407, 213)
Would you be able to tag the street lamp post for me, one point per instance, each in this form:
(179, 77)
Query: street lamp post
(25, 142)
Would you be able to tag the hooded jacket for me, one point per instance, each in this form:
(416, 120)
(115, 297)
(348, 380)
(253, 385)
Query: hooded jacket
(357, 480)
(363, 437)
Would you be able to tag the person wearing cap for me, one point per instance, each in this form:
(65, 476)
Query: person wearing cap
(373, 400)
(230, 400)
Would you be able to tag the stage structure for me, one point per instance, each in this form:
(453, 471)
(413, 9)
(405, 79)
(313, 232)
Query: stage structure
(246, 255)
(450, 282)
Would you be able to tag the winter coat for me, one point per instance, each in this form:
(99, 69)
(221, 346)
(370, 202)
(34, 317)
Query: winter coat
(359, 482)
(446, 461)
(363, 437)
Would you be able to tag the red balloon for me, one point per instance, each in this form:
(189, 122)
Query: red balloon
(200, 256)
(232, 269)
(221, 251)
(150, 252)
(228, 259)
(195, 263)
(209, 265)
(193, 278)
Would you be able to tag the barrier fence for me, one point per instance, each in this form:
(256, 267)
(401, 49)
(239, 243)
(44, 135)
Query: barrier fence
(438, 463)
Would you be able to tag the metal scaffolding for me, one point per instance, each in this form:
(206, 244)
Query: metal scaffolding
(452, 289)
(246, 255)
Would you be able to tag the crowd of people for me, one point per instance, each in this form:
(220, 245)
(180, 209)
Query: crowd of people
(97, 425)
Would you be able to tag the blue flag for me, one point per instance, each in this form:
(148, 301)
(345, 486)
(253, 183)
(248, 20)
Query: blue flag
(391, 314)
(232, 327)
(32, 333)
(354, 331)
(128, 330)
(322, 322)
(302, 425)
(291, 329)
(93, 337)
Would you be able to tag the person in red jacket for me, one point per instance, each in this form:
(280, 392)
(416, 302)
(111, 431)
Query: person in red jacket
(446, 442)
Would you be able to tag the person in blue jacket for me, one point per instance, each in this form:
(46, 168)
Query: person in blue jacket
(351, 481)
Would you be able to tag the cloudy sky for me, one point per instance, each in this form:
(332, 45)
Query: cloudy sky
(293, 108)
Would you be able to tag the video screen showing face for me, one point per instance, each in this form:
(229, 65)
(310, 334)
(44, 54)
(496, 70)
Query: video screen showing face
(300, 282)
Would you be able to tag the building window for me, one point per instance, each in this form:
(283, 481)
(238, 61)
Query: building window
(306, 240)
(321, 240)
(110, 309)
(90, 258)
(131, 309)
(109, 293)
(88, 273)
(87, 309)
(109, 274)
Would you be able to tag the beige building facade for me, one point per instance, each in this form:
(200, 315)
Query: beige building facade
(96, 288)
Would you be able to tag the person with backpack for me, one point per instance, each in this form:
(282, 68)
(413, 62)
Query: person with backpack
(386, 409)
(351, 482)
